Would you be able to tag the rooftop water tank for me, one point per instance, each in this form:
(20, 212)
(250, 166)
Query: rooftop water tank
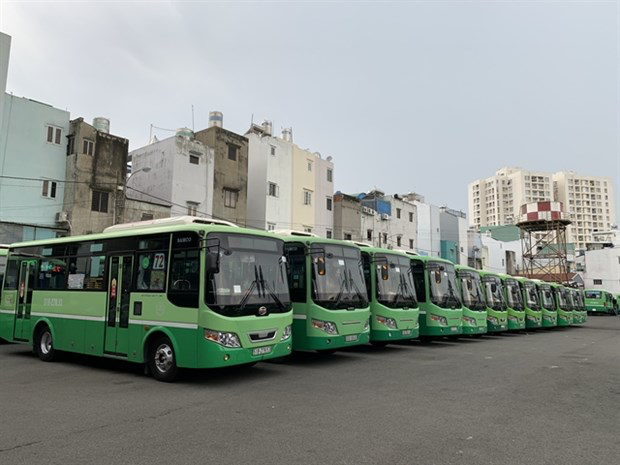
(101, 124)
(216, 119)
(267, 127)
(287, 134)
(185, 133)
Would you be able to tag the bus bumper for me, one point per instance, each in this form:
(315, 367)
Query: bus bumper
(213, 355)
(394, 334)
(474, 329)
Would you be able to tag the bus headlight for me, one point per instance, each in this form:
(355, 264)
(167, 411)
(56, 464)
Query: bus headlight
(327, 326)
(470, 321)
(512, 318)
(442, 320)
(287, 333)
(492, 320)
(389, 322)
(367, 325)
(224, 339)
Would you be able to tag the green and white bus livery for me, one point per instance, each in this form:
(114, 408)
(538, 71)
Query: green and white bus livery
(175, 293)
(393, 303)
(328, 291)
(472, 298)
(531, 300)
(598, 301)
(563, 303)
(549, 313)
(497, 312)
(441, 313)
(579, 309)
(514, 303)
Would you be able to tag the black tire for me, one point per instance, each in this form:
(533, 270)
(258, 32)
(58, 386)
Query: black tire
(161, 360)
(44, 344)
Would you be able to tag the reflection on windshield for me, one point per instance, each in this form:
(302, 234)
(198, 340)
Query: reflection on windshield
(394, 280)
(442, 279)
(531, 296)
(513, 294)
(563, 299)
(494, 294)
(471, 290)
(578, 301)
(337, 278)
(252, 274)
(547, 297)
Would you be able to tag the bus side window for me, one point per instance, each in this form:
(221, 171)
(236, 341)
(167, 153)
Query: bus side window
(11, 276)
(418, 280)
(297, 272)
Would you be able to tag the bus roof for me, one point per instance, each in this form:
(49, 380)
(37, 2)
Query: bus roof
(150, 230)
(373, 250)
(312, 239)
(489, 273)
(426, 259)
(466, 268)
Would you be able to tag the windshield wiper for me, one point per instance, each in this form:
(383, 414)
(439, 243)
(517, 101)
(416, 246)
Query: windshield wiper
(266, 287)
(340, 294)
(248, 292)
(363, 301)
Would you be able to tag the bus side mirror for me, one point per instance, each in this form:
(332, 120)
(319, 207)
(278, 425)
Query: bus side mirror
(469, 285)
(493, 287)
(385, 275)
(213, 262)
(320, 265)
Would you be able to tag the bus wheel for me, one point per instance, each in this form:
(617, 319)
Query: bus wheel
(162, 361)
(43, 344)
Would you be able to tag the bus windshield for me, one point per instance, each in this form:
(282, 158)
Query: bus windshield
(578, 301)
(471, 290)
(563, 298)
(338, 278)
(593, 294)
(531, 296)
(547, 297)
(251, 274)
(394, 281)
(442, 279)
(513, 294)
(493, 288)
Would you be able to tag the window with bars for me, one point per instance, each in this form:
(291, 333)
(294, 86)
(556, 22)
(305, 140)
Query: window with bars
(100, 201)
(230, 198)
(88, 147)
(49, 189)
(54, 134)
(307, 197)
(273, 190)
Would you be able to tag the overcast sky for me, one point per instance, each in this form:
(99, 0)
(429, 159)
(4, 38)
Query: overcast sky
(406, 96)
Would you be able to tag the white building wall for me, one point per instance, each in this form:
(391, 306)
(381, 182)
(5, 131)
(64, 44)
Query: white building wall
(428, 231)
(324, 189)
(493, 253)
(378, 229)
(404, 227)
(602, 266)
(463, 241)
(5, 50)
(172, 177)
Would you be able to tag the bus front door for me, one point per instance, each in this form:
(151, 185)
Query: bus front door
(24, 300)
(119, 294)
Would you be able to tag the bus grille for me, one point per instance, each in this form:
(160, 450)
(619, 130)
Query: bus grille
(260, 336)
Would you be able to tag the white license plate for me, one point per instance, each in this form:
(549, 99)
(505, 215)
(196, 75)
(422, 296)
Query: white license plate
(406, 332)
(262, 350)
(454, 329)
(351, 338)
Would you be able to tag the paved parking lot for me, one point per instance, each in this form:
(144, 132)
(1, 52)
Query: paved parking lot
(549, 397)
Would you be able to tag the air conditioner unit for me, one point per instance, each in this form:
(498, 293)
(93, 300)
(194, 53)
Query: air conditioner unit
(385, 216)
(62, 217)
(366, 210)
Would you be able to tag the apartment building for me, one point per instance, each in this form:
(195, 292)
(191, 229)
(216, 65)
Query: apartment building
(495, 201)
(589, 201)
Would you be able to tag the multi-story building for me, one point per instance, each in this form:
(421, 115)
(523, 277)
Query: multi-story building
(428, 233)
(589, 200)
(95, 194)
(288, 187)
(453, 235)
(178, 170)
(230, 181)
(496, 200)
(32, 165)
(347, 217)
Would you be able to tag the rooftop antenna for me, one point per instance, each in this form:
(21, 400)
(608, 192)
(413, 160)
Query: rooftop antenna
(193, 118)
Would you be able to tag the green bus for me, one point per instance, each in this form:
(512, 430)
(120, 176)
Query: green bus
(328, 291)
(563, 307)
(531, 301)
(474, 305)
(579, 308)
(497, 310)
(514, 302)
(549, 313)
(394, 310)
(175, 293)
(598, 301)
(441, 313)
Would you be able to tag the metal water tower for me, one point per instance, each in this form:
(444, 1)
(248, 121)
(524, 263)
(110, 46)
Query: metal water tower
(216, 119)
(543, 241)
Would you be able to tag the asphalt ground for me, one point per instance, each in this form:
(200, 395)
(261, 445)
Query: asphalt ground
(545, 397)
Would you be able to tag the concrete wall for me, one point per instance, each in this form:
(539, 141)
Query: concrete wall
(104, 171)
(302, 216)
(266, 211)
(604, 265)
(324, 189)
(347, 217)
(228, 174)
(376, 231)
(404, 227)
(498, 255)
(172, 177)
(25, 152)
(135, 210)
